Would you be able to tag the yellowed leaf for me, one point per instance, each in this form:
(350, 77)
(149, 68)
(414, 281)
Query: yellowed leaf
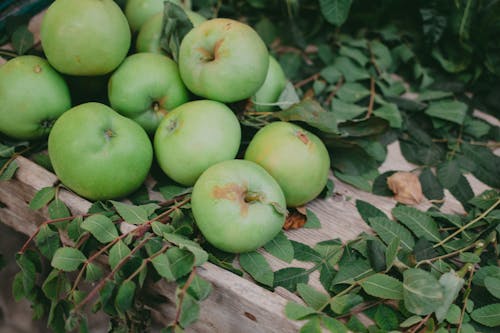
(406, 187)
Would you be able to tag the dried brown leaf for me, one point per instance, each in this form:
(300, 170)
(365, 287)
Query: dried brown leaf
(406, 188)
(294, 220)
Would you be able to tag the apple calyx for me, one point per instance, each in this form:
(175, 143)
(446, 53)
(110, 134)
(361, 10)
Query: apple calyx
(207, 55)
(47, 124)
(108, 134)
(37, 69)
(157, 106)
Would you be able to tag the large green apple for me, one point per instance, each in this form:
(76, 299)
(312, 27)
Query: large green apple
(272, 87)
(148, 39)
(145, 87)
(85, 37)
(32, 96)
(195, 136)
(238, 206)
(98, 153)
(223, 60)
(296, 158)
(139, 11)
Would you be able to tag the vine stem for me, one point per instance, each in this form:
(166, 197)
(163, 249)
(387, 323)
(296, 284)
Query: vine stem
(139, 230)
(422, 323)
(182, 293)
(339, 84)
(478, 244)
(468, 225)
(146, 261)
(307, 80)
(462, 313)
(372, 97)
(12, 158)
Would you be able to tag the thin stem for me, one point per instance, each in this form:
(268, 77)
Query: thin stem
(462, 313)
(12, 158)
(468, 225)
(306, 80)
(339, 84)
(146, 261)
(372, 97)
(451, 254)
(182, 294)
(422, 323)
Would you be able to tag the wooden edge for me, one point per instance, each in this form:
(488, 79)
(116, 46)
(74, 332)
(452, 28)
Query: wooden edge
(235, 305)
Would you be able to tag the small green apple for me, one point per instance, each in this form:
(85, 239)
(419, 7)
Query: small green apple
(223, 60)
(296, 158)
(148, 39)
(33, 95)
(195, 136)
(98, 153)
(85, 37)
(238, 206)
(272, 87)
(145, 87)
(139, 11)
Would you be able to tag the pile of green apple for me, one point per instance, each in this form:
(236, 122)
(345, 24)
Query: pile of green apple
(173, 112)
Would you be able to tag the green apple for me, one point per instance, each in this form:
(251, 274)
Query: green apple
(272, 87)
(33, 95)
(296, 158)
(195, 136)
(148, 39)
(98, 153)
(223, 60)
(145, 87)
(85, 37)
(238, 206)
(139, 11)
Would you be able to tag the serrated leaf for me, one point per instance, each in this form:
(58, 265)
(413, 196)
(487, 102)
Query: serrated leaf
(462, 191)
(181, 261)
(257, 266)
(190, 311)
(453, 111)
(352, 271)
(485, 164)
(125, 296)
(452, 284)
(171, 191)
(201, 256)
(303, 252)
(421, 224)
(101, 227)
(367, 211)
(391, 252)
(492, 284)
(386, 318)
(355, 54)
(67, 259)
(22, 39)
(346, 111)
(342, 304)
(42, 197)
(57, 209)
(388, 230)
(162, 265)
(312, 221)
(375, 251)
(421, 291)
(410, 321)
(351, 92)
(117, 253)
(133, 214)
(311, 326)
(330, 250)
(391, 113)
(313, 298)
(93, 272)
(199, 288)
(351, 71)
(297, 311)
(335, 11)
(289, 277)
(333, 325)
(312, 113)
(431, 187)
(47, 241)
(448, 173)
(55, 285)
(383, 286)
(280, 247)
(488, 315)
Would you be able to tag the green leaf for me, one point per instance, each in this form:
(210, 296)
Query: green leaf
(331, 74)
(312, 113)
(492, 284)
(280, 247)
(355, 54)
(47, 241)
(257, 266)
(488, 315)
(421, 224)
(388, 230)
(42, 197)
(181, 261)
(383, 286)
(409, 322)
(117, 253)
(162, 265)
(342, 304)
(9, 172)
(351, 71)
(134, 214)
(313, 298)
(297, 311)
(330, 250)
(101, 227)
(201, 256)
(391, 252)
(453, 111)
(74, 228)
(454, 314)
(312, 221)
(421, 291)
(346, 111)
(93, 272)
(391, 113)
(386, 318)
(485, 271)
(67, 259)
(199, 288)
(28, 274)
(312, 326)
(355, 325)
(351, 92)
(333, 325)
(462, 191)
(452, 284)
(431, 187)
(171, 191)
(125, 296)
(190, 311)
(289, 277)
(303, 252)
(354, 180)
(352, 271)
(367, 211)
(375, 251)
(22, 39)
(448, 173)
(57, 209)
(485, 164)
(56, 285)
(335, 11)
(176, 25)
